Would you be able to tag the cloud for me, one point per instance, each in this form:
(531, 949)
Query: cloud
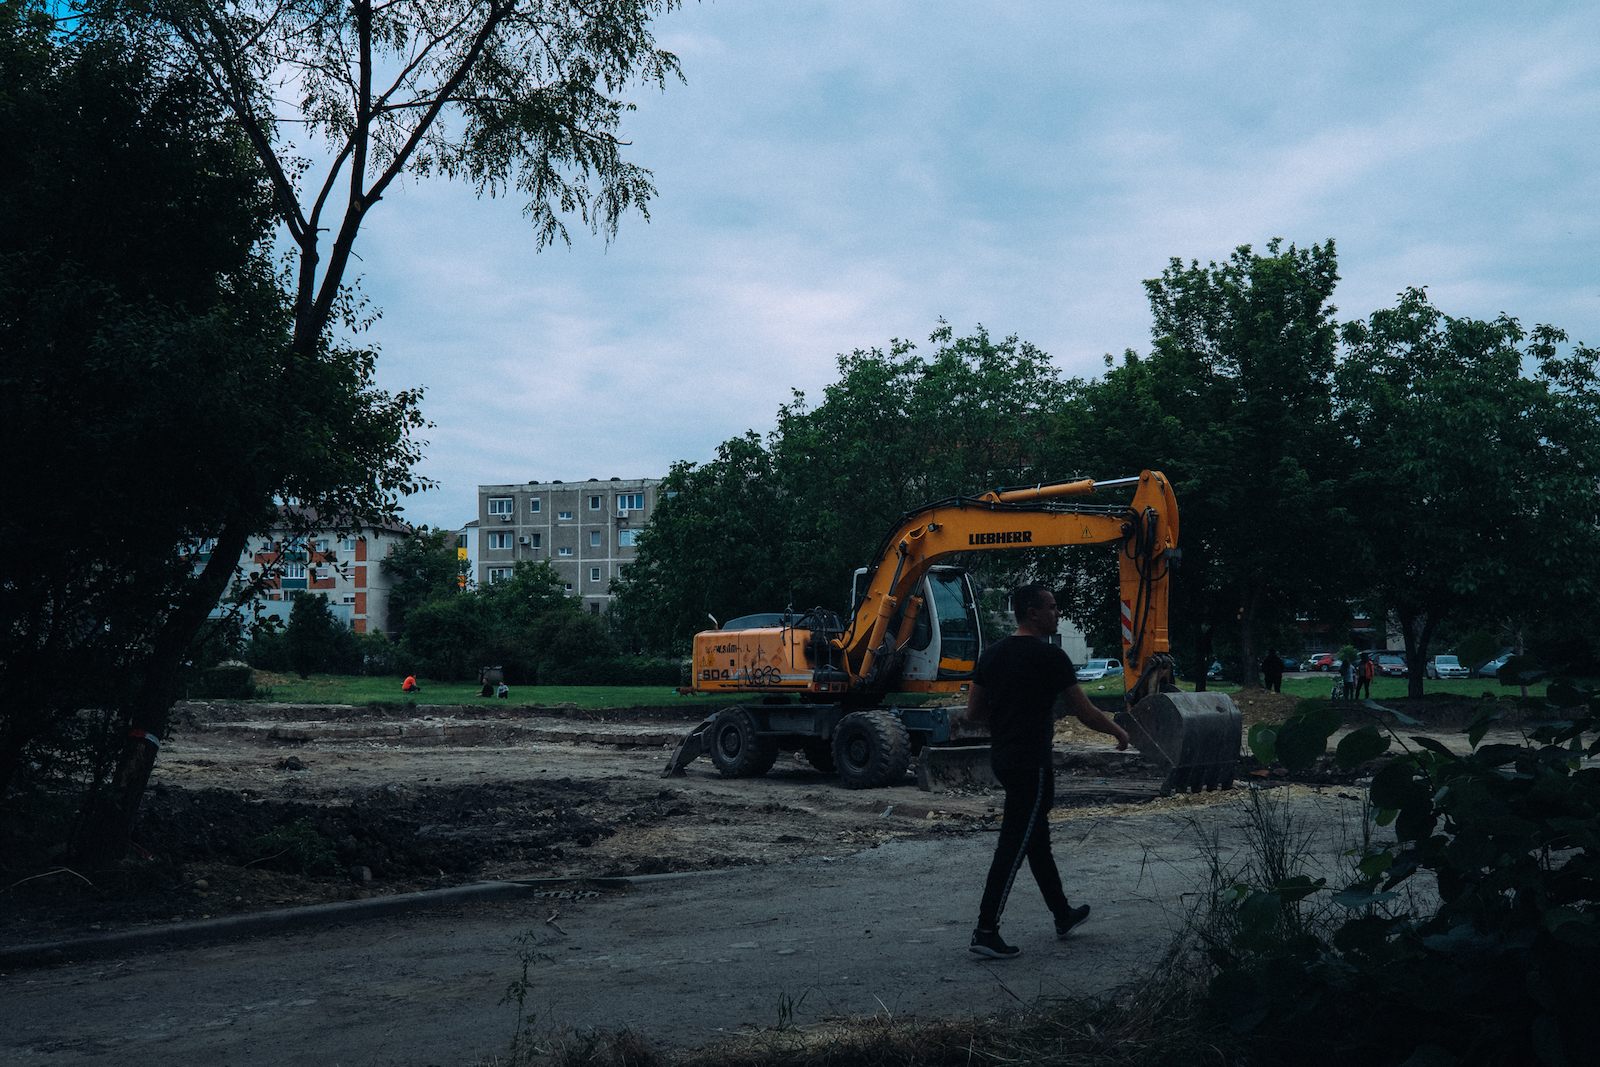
(835, 175)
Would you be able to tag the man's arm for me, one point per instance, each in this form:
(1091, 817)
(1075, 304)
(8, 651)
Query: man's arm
(1083, 709)
(976, 712)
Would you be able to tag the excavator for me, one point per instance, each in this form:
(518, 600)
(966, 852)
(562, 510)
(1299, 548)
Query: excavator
(821, 685)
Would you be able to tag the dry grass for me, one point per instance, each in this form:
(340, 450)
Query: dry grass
(1156, 1022)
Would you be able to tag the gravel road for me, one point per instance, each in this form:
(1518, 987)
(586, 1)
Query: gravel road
(682, 961)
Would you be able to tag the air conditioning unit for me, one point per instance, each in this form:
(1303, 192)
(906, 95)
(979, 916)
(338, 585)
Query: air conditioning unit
(524, 540)
(505, 518)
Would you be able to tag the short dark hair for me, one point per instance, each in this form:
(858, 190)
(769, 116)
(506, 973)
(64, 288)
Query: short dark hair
(1026, 597)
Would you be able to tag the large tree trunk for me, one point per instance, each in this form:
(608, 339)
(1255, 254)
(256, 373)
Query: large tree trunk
(1249, 606)
(1418, 632)
(108, 826)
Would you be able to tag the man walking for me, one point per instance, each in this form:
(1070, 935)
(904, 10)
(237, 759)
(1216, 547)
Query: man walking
(1272, 671)
(1013, 692)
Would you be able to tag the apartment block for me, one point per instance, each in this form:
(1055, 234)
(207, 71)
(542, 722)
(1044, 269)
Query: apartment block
(586, 530)
(346, 568)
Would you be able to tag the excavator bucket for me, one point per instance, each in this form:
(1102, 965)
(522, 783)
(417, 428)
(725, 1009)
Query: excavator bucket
(691, 747)
(1195, 737)
(941, 768)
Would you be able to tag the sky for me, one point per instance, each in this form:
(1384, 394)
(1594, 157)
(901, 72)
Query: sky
(835, 175)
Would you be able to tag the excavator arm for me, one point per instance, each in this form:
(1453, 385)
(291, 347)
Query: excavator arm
(1042, 516)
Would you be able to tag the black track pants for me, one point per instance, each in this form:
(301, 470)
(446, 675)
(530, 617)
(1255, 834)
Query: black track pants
(1024, 831)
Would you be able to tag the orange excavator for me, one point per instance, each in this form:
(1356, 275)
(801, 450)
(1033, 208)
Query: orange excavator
(821, 684)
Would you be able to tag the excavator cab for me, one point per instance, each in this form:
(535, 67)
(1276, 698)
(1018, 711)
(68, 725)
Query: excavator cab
(946, 638)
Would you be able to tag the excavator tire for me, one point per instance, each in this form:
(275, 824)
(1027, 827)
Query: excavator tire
(819, 753)
(736, 749)
(871, 749)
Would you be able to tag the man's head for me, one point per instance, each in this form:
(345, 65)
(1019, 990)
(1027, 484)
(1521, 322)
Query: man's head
(1035, 609)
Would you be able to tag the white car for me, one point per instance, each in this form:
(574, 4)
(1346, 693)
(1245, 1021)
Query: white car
(1445, 667)
(1096, 669)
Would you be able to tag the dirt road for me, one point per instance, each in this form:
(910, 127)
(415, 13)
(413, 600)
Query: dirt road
(793, 892)
(681, 961)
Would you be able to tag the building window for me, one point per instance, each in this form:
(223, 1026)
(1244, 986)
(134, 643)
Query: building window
(499, 574)
(349, 598)
(594, 574)
(594, 503)
(499, 540)
(594, 607)
(568, 587)
(502, 505)
(348, 544)
(594, 538)
(627, 538)
(563, 551)
(563, 514)
(319, 546)
(533, 505)
(533, 540)
(294, 570)
(461, 540)
(630, 502)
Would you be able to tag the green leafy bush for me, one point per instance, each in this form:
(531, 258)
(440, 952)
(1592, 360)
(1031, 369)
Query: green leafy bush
(227, 681)
(297, 848)
(1502, 969)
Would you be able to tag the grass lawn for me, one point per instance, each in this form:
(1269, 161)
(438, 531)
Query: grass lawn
(359, 689)
(1319, 685)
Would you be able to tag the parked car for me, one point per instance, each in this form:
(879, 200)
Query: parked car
(1390, 664)
(1291, 664)
(1095, 669)
(1215, 673)
(1445, 667)
(1487, 670)
(1322, 661)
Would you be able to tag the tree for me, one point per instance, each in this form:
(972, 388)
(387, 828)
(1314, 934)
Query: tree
(422, 568)
(510, 93)
(1234, 403)
(146, 355)
(507, 94)
(1476, 483)
(316, 640)
(780, 524)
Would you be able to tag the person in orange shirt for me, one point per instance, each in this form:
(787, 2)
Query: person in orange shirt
(1364, 672)
(410, 685)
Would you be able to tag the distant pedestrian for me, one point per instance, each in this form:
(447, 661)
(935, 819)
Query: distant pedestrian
(1347, 673)
(1364, 672)
(410, 685)
(1272, 671)
(502, 691)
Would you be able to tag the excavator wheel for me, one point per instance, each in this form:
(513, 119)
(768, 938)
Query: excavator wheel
(736, 750)
(871, 749)
(819, 753)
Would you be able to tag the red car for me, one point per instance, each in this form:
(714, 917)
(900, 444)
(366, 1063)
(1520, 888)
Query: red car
(1389, 664)
(1322, 661)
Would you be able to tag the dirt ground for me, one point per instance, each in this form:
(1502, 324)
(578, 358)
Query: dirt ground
(266, 806)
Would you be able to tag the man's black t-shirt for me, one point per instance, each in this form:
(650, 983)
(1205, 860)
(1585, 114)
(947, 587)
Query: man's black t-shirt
(1021, 677)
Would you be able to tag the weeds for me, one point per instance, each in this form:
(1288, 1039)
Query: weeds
(297, 848)
(523, 1043)
(787, 1006)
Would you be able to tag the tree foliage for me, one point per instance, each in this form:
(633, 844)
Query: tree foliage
(784, 522)
(146, 350)
(1234, 403)
(520, 95)
(1476, 483)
